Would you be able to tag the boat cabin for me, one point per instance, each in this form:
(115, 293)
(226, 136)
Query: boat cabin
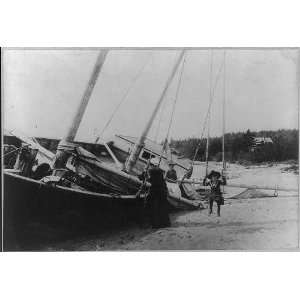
(122, 146)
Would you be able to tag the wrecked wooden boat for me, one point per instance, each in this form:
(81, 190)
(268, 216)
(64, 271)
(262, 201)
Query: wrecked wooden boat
(76, 179)
(117, 176)
(26, 198)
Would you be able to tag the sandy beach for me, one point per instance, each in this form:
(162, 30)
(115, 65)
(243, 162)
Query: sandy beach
(269, 223)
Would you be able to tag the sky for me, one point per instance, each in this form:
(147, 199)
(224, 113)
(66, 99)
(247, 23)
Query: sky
(42, 89)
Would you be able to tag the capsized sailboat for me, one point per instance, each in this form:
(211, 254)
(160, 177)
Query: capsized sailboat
(79, 177)
(119, 175)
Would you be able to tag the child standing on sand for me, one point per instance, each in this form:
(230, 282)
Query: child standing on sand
(215, 180)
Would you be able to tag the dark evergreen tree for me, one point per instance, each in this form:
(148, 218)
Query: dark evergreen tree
(239, 146)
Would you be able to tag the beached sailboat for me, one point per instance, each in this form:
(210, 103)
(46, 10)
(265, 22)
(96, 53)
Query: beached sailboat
(94, 183)
(82, 179)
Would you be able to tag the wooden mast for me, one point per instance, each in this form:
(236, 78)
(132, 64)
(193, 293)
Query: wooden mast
(140, 143)
(61, 157)
(72, 131)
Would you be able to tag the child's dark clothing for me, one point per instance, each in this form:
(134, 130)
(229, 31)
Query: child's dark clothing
(215, 192)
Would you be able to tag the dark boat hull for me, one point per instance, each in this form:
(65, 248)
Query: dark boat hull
(28, 201)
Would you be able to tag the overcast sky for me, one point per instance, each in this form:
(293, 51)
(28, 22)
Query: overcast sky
(42, 88)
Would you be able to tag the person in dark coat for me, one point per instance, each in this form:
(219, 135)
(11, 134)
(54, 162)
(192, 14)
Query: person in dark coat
(215, 180)
(157, 205)
(27, 160)
(171, 174)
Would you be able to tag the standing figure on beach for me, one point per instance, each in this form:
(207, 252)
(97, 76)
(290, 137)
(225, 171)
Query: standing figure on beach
(215, 180)
(157, 205)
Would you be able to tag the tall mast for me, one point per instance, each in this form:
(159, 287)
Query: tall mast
(61, 157)
(140, 143)
(224, 103)
(72, 131)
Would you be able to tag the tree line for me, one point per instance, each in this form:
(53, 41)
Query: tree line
(240, 146)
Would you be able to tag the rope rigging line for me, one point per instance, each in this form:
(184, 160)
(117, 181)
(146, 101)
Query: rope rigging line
(207, 114)
(176, 98)
(123, 98)
(8, 153)
(159, 122)
(224, 112)
(179, 84)
(174, 104)
(207, 145)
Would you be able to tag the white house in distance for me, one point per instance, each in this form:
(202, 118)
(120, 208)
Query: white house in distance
(260, 141)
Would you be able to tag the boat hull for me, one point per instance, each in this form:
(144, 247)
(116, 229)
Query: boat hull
(28, 201)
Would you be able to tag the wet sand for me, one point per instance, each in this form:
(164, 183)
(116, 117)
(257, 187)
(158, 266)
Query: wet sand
(245, 224)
